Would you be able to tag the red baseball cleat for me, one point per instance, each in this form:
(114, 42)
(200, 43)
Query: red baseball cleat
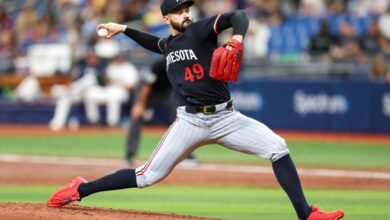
(317, 214)
(67, 194)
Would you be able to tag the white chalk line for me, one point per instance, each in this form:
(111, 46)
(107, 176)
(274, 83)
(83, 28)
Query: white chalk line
(254, 169)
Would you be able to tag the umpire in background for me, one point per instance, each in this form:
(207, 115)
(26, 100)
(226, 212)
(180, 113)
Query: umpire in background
(154, 90)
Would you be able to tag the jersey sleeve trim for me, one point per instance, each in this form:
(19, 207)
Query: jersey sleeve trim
(215, 24)
(158, 45)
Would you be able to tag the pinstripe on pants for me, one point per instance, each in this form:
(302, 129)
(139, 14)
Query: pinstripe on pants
(228, 128)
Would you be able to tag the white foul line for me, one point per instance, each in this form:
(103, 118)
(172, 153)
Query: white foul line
(200, 167)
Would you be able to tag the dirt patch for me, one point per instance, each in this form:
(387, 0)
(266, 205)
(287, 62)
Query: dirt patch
(41, 173)
(29, 211)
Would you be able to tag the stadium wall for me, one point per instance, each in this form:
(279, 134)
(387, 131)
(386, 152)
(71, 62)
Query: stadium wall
(328, 105)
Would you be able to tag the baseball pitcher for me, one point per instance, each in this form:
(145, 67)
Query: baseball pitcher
(199, 72)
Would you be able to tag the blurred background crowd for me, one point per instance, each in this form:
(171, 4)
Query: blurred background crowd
(289, 32)
(48, 39)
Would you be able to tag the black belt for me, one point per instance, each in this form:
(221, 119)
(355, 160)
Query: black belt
(207, 109)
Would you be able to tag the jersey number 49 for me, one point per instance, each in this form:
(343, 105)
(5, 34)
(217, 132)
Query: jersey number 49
(196, 72)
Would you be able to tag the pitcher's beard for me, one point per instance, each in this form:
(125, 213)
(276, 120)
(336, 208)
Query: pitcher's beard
(181, 27)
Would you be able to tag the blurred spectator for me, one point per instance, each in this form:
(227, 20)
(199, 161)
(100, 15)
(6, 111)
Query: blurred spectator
(98, 5)
(367, 7)
(321, 45)
(198, 11)
(120, 79)
(384, 26)
(288, 7)
(347, 48)
(25, 22)
(7, 51)
(256, 39)
(275, 43)
(370, 43)
(152, 17)
(28, 90)
(68, 21)
(385, 46)
(316, 8)
(336, 15)
(134, 9)
(112, 13)
(264, 7)
(42, 32)
(280, 27)
(212, 7)
(91, 18)
(379, 69)
(384, 23)
(86, 74)
(5, 21)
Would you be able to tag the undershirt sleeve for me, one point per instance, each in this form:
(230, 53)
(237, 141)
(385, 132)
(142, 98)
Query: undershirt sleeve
(238, 20)
(147, 41)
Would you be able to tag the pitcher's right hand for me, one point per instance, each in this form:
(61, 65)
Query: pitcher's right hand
(113, 29)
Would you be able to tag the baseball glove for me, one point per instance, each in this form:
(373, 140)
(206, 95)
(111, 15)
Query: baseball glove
(226, 61)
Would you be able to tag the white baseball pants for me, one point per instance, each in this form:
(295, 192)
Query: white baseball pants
(230, 129)
(112, 96)
(68, 95)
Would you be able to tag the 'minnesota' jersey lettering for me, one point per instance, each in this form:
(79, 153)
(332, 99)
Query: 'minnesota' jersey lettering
(188, 56)
(180, 55)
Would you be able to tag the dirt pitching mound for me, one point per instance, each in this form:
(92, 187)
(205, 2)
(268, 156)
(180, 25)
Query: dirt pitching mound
(39, 211)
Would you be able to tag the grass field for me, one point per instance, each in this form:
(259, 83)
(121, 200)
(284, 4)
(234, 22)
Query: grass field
(361, 155)
(210, 201)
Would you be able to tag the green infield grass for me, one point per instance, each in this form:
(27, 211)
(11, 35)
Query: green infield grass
(311, 153)
(233, 203)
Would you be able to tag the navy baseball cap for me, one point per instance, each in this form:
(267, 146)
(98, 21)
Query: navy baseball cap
(169, 5)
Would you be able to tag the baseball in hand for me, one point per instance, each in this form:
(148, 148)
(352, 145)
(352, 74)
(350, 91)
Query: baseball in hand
(102, 32)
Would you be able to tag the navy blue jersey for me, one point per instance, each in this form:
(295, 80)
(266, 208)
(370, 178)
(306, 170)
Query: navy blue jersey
(188, 56)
